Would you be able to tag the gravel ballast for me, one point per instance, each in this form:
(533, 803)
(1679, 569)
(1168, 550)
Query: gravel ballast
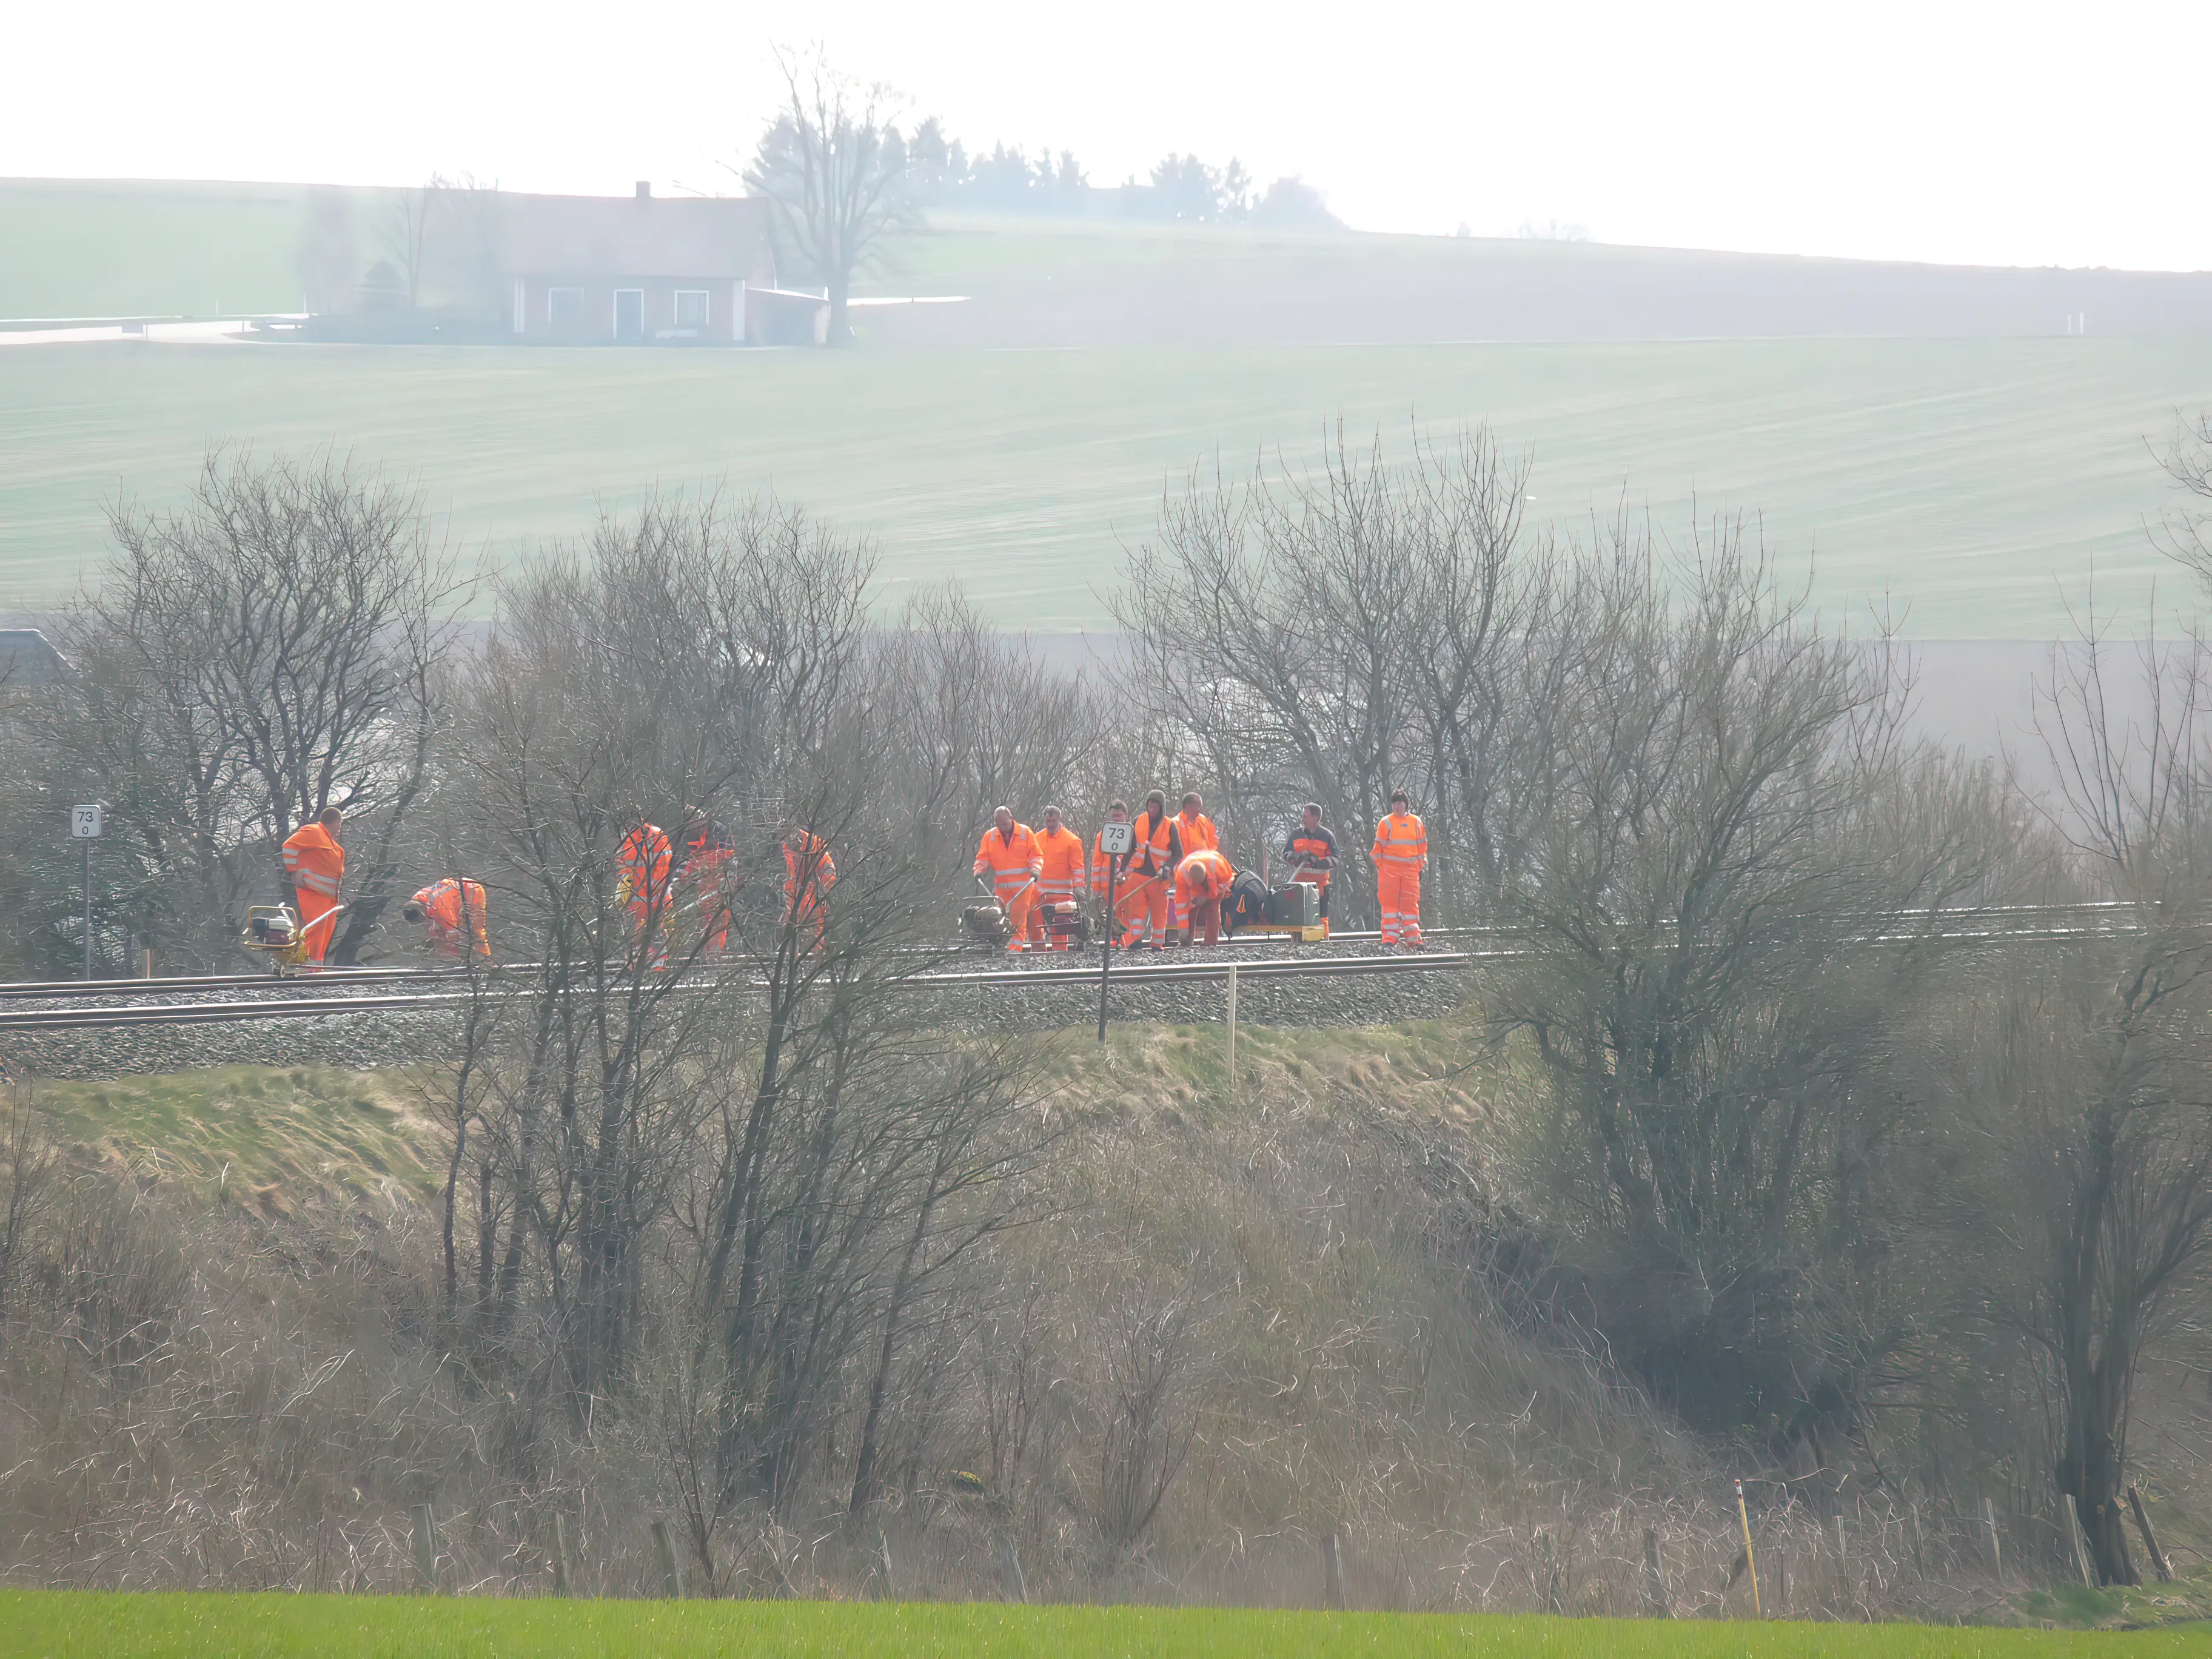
(370, 1041)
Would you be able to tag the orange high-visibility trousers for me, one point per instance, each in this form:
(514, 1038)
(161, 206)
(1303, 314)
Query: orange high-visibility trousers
(1151, 904)
(1399, 890)
(317, 921)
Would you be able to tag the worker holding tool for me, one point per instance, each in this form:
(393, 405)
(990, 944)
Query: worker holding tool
(708, 882)
(314, 863)
(1402, 847)
(809, 873)
(1151, 867)
(643, 858)
(452, 912)
(1060, 878)
(1309, 853)
(1193, 833)
(1201, 880)
(1009, 854)
(1129, 894)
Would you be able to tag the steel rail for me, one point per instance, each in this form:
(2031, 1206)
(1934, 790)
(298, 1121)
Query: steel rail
(302, 983)
(1138, 973)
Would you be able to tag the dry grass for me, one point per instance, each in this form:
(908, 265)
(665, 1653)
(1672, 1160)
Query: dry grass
(1240, 1326)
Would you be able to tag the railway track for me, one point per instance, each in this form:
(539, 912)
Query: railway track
(214, 999)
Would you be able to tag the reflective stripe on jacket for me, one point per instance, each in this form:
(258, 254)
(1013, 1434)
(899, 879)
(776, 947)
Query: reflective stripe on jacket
(315, 863)
(1198, 834)
(456, 908)
(1011, 859)
(1204, 874)
(1059, 862)
(1158, 847)
(1402, 842)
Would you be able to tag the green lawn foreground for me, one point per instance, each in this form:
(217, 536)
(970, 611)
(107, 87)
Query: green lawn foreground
(86, 1622)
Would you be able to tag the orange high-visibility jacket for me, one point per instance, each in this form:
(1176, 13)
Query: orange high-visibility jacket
(1011, 859)
(455, 909)
(710, 859)
(1101, 861)
(1196, 834)
(1158, 847)
(1202, 875)
(315, 863)
(813, 856)
(643, 858)
(1401, 843)
(1059, 862)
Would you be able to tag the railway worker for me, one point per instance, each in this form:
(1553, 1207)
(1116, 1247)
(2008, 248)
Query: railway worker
(1059, 877)
(643, 858)
(1401, 849)
(452, 912)
(1128, 899)
(1310, 855)
(1193, 833)
(809, 873)
(1150, 874)
(1202, 880)
(707, 883)
(314, 864)
(1009, 854)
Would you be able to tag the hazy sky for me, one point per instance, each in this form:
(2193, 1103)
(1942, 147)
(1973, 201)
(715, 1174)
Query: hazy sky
(1998, 133)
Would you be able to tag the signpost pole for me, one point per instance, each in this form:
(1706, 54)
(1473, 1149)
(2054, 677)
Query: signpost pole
(85, 825)
(1106, 956)
(1116, 841)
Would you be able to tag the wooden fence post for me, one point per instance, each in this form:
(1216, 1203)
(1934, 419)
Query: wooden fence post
(671, 1571)
(426, 1548)
(2081, 1550)
(1777, 1584)
(560, 1554)
(1332, 1572)
(1010, 1569)
(2158, 1564)
(1657, 1601)
(890, 1584)
(1990, 1532)
(1233, 1031)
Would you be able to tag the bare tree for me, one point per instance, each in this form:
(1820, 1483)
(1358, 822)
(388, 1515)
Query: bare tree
(272, 649)
(1728, 802)
(834, 168)
(2090, 1211)
(404, 233)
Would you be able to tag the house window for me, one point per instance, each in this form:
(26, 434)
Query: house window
(564, 306)
(690, 308)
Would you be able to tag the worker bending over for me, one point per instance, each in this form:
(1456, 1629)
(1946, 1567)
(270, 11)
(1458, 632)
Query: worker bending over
(708, 884)
(314, 864)
(1402, 847)
(1009, 854)
(809, 873)
(1129, 894)
(1202, 879)
(451, 911)
(1059, 877)
(1310, 855)
(1150, 873)
(1193, 833)
(643, 860)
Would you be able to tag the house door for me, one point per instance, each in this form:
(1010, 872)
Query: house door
(630, 315)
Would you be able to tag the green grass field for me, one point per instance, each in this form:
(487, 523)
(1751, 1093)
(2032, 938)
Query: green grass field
(1970, 478)
(81, 1623)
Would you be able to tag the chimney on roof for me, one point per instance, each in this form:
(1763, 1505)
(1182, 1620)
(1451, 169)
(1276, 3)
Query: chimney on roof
(645, 190)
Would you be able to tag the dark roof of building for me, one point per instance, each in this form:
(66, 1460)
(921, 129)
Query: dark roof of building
(586, 237)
